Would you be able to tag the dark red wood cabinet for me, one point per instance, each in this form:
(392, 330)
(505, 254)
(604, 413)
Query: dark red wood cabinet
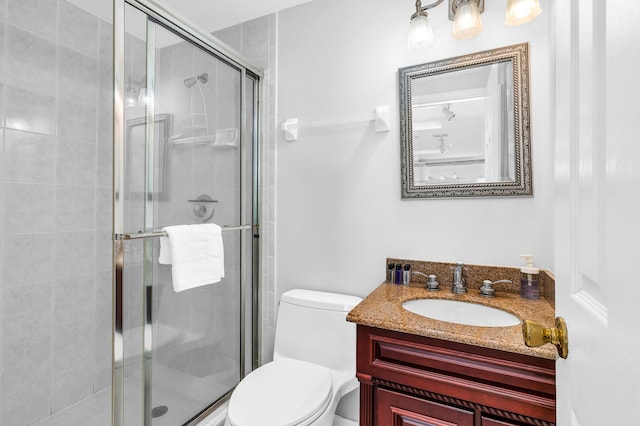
(409, 380)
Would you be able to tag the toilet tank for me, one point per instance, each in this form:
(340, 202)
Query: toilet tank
(312, 326)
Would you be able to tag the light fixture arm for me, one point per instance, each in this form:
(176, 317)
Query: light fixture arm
(422, 10)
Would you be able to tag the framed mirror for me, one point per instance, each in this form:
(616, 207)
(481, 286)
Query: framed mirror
(136, 152)
(465, 129)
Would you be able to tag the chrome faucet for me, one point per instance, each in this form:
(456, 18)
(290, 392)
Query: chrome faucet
(459, 285)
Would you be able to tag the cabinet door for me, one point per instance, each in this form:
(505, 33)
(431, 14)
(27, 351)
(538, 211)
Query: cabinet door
(396, 409)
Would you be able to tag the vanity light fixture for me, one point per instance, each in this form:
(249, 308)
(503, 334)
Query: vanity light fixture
(465, 15)
(466, 21)
(135, 93)
(143, 97)
(522, 11)
(420, 31)
(131, 94)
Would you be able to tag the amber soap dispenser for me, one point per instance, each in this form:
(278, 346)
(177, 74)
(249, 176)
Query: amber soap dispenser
(529, 279)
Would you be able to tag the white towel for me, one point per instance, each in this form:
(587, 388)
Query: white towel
(195, 253)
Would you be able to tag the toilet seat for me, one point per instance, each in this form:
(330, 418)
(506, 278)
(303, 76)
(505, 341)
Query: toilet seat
(285, 392)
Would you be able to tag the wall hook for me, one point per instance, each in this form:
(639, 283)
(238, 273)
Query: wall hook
(381, 117)
(290, 129)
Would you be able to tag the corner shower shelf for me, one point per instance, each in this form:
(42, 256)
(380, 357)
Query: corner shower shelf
(223, 138)
(191, 140)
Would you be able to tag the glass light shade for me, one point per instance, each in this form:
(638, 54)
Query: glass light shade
(522, 11)
(130, 97)
(420, 33)
(143, 99)
(467, 22)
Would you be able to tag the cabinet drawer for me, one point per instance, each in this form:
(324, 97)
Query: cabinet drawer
(396, 409)
(387, 353)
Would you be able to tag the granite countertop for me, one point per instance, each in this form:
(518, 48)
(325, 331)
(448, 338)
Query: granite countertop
(383, 309)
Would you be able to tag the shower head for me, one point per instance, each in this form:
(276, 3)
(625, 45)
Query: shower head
(191, 81)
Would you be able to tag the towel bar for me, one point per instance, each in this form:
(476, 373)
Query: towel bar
(152, 234)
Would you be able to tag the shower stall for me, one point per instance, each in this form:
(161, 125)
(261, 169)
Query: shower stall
(110, 132)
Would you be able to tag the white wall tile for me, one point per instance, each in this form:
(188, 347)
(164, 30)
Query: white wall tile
(30, 109)
(75, 205)
(26, 309)
(26, 258)
(37, 16)
(255, 43)
(30, 57)
(29, 208)
(26, 157)
(73, 299)
(73, 253)
(28, 395)
(104, 154)
(72, 386)
(76, 165)
(103, 208)
(105, 49)
(72, 345)
(27, 351)
(78, 30)
(77, 121)
(77, 76)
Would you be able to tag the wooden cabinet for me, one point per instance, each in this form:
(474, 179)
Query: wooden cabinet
(408, 380)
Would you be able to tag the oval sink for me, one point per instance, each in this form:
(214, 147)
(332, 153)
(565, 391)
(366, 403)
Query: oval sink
(461, 312)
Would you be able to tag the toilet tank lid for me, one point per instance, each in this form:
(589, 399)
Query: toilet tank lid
(321, 300)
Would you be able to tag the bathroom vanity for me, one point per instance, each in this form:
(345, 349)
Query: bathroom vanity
(417, 371)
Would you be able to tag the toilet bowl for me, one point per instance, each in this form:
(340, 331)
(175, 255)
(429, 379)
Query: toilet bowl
(313, 365)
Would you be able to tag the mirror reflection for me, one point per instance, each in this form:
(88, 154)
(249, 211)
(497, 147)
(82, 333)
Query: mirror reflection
(465, 126)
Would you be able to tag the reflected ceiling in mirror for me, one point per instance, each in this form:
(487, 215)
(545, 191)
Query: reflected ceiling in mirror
(465, 126)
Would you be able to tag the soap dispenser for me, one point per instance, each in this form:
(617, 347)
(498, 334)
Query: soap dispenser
(529, 279)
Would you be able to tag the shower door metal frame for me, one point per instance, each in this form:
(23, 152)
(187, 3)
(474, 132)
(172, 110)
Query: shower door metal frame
(182, 27)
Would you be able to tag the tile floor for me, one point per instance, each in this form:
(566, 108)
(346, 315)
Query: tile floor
(96, 411)
(168, 390)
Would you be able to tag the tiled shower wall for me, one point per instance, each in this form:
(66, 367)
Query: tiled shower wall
(55, 207)
(55, 201)
(257, 40)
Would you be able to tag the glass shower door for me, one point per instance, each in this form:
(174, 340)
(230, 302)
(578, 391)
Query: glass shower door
(187, 158)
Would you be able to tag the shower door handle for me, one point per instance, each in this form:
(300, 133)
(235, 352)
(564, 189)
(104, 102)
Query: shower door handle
(152, 234)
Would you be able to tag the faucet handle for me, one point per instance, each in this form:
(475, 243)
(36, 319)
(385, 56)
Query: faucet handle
(487, 289)
(432, 284)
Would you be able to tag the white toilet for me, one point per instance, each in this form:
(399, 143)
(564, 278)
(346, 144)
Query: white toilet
(314, 365)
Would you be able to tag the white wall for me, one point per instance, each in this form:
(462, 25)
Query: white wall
(339, 210)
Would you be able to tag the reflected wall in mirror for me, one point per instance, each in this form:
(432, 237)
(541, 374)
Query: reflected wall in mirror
(137, 152)
(465, 129)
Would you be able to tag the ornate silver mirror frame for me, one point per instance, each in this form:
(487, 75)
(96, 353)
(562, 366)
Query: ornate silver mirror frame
(513, 139)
